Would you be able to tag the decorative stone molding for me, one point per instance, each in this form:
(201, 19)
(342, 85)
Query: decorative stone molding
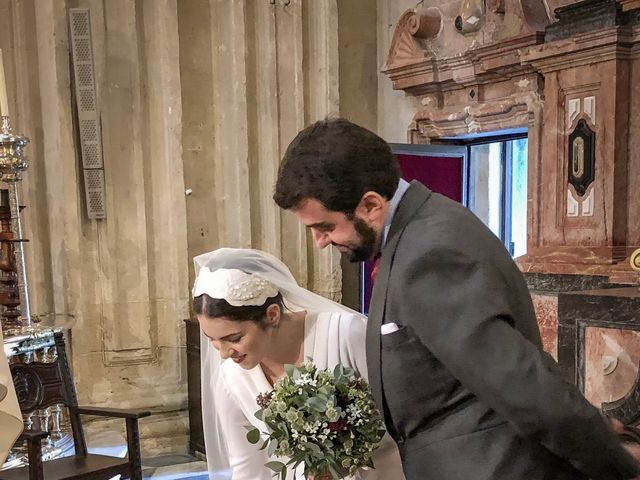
(572, 204)
(588, 203)
(585, 16)
(496, 6)
(513, 111)
(471, 17)
(411, 69)
(548, 82)
(573, 110)
(534, 13)
(590, 108)
(413, 27)
(616, 43)
(426, 23)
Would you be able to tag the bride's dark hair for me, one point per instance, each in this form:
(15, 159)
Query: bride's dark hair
(219, 307)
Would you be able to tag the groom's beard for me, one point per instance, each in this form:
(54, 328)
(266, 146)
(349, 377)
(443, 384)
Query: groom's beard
(367, 239)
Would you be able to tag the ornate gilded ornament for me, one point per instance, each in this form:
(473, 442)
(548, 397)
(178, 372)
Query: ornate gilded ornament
(577, 165)
(635, 260)
(582, 152)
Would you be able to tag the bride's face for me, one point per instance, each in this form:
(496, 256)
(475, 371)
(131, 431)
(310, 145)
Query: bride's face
(244, 342)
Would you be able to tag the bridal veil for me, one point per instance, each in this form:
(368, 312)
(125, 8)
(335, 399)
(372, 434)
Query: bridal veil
(295, 298)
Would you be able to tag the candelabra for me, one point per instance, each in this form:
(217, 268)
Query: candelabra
(23, 342)
(14, 290)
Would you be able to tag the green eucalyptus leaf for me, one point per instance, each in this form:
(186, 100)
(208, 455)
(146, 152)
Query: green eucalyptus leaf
(289, 369)
(253, 436)
(273, 444)
(316, 404)
(334, 472)
(276, 466)
(313, 447)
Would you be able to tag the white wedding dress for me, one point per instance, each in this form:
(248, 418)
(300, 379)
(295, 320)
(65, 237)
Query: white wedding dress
(330, 338)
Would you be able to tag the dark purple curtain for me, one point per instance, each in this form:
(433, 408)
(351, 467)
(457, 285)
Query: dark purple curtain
(441, 174)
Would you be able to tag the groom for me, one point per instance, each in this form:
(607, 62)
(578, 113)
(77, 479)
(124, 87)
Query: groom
(453, 348)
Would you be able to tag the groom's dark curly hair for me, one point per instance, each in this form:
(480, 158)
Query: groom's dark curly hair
(335, 162)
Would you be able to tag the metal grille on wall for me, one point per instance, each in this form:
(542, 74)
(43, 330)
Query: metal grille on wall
(86, 108)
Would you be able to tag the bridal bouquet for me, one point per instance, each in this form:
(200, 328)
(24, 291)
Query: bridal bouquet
(325, 420)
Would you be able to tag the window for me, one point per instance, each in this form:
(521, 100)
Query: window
(488, 174)
(497, 185)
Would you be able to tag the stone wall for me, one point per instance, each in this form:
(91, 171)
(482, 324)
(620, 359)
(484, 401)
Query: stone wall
(197, 101)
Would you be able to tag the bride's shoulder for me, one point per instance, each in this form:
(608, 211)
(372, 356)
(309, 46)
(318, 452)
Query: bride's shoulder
(341, 316)
(352, 323)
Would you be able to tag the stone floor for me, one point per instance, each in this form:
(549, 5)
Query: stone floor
(174, 467)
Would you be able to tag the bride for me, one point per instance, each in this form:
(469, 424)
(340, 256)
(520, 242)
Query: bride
(254, 319)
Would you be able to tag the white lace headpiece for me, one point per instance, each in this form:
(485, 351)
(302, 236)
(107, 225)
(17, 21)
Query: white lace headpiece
(238, 288)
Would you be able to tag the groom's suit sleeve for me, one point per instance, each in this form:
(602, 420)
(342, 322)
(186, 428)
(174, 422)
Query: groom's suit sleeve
(459, 308)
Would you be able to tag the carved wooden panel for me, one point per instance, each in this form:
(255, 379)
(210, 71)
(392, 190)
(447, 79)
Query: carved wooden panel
(38, 385)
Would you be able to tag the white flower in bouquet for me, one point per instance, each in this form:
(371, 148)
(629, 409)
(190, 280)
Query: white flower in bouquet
(322, 419)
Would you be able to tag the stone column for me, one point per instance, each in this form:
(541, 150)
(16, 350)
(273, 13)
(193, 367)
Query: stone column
(271, 69)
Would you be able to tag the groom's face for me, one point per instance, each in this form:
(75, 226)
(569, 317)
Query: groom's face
(353, 235)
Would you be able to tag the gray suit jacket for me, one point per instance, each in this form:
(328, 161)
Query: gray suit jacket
(465, 387)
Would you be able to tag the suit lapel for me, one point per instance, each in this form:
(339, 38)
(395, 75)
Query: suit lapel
(413, 199)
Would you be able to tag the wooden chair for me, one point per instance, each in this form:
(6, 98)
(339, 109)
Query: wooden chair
(39, 385)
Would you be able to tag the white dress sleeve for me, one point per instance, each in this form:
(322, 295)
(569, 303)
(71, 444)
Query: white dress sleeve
(245, 460)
